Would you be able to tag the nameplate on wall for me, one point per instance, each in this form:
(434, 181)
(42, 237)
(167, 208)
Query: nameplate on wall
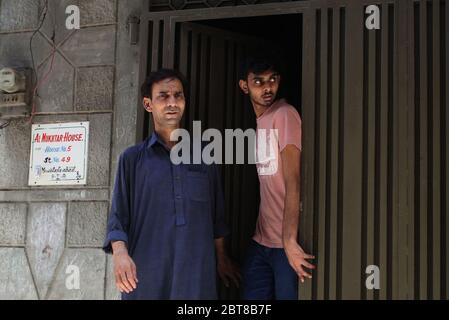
(59, 154)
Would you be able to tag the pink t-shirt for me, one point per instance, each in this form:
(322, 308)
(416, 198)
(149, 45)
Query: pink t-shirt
(286, 122)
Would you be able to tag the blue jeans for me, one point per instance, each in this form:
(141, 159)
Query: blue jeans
(267, 274)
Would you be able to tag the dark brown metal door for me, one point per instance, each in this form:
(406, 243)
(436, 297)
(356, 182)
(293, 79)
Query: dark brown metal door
(375, 120)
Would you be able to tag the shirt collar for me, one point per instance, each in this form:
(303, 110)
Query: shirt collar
(271, 108)
(153, 139)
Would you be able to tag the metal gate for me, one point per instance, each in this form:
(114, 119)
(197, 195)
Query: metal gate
(375, 120)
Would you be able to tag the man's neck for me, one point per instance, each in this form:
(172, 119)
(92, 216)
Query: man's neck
(259, 110)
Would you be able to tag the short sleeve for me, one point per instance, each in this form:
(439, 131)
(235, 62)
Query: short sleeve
(288, 123)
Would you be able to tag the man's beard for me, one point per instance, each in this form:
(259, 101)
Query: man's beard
(267, 99)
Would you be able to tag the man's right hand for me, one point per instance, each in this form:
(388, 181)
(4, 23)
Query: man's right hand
(124, 268)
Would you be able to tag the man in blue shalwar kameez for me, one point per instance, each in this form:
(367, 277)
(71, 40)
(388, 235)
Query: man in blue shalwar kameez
(166, 227)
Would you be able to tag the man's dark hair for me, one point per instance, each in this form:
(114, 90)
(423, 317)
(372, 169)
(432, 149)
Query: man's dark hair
(156, 76)
(259, 64)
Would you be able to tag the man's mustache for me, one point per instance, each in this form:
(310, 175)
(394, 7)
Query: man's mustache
(172, 109)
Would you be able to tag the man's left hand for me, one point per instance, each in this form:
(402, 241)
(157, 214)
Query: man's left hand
(298, 259)
(228, 270)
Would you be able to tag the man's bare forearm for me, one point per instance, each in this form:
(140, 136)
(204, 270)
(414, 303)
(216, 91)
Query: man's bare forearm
(291, 217)
(291, 159)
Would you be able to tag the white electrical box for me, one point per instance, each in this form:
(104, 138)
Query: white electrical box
(15, 92)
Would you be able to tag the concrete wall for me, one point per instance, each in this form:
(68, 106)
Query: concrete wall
(94, 78)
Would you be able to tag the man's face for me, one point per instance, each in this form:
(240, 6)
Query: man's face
(167, 103)
(261, 88)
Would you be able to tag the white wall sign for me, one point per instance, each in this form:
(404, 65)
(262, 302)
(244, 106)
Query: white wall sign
(59, 154)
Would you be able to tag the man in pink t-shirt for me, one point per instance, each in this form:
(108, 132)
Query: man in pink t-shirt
(275, 259)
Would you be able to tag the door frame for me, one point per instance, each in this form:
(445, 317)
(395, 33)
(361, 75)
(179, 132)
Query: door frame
(162, 55)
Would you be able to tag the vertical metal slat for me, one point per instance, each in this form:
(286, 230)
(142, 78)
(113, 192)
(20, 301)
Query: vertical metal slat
(446, 178)
(383, 147)
(436, 205)
(423, 151)
(307, 163)
(370, 156)
(402, 286)
(352, 150)
(322, 174)
(333, 175)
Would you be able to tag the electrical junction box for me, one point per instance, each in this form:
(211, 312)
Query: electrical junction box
(15, 92)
